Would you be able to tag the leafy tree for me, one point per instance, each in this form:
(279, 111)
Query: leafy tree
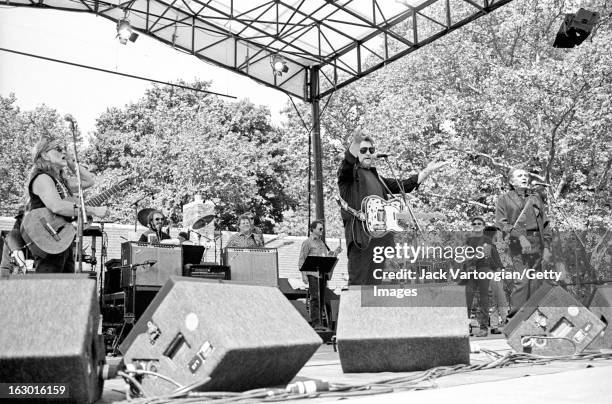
(19, 132)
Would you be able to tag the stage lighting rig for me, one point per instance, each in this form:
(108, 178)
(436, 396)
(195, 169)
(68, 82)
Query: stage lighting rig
(279, 65)
(576, 28)
(125, 31)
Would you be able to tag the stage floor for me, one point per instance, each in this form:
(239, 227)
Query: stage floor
(556, 382)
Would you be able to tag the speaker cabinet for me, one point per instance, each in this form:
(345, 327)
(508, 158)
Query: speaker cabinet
(601, 307)
(240, 336)
(168, 262)
(389, 334)
(49, 333)
(254, 266)
(552, 323)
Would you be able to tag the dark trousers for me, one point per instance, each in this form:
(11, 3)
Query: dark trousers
(522, 289)
(314, 286)
(58, 263)
(482, 285)
(360, 264)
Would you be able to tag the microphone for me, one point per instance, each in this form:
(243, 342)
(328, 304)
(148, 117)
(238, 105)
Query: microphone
(382, 155)
(543, 184)
(69, 118)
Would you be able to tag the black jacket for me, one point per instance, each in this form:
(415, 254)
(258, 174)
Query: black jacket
(352, 189)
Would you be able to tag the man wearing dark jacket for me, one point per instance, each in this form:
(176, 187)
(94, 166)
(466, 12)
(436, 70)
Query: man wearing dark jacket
(521, 214)
(358, 178)
(489, 263)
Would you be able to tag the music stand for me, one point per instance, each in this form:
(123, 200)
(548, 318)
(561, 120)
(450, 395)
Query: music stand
(324, 266)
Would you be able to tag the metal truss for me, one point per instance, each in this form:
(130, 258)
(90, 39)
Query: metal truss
(334, 42)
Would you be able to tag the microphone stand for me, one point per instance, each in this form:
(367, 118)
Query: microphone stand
(404, 197)
(135, 205)
(81, 212)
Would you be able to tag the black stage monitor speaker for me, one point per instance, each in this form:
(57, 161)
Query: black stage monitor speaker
(240, 336)
(49, 334)
(601, 307)
(391, 334)
(575, 28)
(552, 323)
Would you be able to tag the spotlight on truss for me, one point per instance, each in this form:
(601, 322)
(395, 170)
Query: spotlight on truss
(576, 28)
(279, 65)
(125, 31)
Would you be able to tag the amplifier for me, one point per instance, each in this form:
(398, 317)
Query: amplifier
(207, 271)
(168, 262)
(254, 266)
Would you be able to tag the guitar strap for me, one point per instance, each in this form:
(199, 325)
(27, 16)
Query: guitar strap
(384, 183)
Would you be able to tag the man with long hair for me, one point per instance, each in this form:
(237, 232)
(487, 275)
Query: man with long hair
(52, 179)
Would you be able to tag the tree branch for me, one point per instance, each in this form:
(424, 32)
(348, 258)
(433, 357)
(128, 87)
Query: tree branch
(482, 205)
(604, 177)
(496, 163)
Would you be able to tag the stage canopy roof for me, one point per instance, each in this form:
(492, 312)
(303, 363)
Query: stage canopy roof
(344, 40)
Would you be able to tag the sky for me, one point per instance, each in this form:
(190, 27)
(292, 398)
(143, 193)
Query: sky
(89, 40)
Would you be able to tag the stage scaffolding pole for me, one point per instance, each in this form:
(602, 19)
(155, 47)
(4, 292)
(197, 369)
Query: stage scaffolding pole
(317, 151)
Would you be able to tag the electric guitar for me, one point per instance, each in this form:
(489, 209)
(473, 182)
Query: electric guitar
(380, 216)
(47, 233)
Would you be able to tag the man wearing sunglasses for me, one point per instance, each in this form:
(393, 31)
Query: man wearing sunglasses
(358, 178)
(315, 246)
(154, 234)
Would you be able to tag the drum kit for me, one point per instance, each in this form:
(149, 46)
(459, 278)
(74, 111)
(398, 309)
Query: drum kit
(197, 228)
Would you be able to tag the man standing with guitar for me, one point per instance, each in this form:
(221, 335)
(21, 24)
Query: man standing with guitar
(48, 187)
(358, 179)
(521, 215)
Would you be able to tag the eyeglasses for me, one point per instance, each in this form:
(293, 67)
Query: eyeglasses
(478, 224)
(158, 219)
(363, 150)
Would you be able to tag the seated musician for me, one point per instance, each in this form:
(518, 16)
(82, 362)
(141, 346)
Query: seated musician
(52, 180)
(315, 246)
(154, 233)
(247, 236)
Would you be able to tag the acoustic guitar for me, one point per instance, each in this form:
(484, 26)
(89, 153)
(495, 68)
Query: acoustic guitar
(47, 233)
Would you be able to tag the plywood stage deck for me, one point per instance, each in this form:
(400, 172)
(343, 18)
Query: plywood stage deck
(558, 382)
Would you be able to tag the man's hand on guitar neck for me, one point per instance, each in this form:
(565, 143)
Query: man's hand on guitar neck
(335, 252)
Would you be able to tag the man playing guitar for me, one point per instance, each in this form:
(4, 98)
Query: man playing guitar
(48, 185)
(358, 179)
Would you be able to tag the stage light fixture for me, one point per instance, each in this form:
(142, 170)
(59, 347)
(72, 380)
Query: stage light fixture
(279, 65)
(125, 31)
(576, 28)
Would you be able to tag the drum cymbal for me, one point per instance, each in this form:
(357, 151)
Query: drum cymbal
(203, 221)
(143, 215)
